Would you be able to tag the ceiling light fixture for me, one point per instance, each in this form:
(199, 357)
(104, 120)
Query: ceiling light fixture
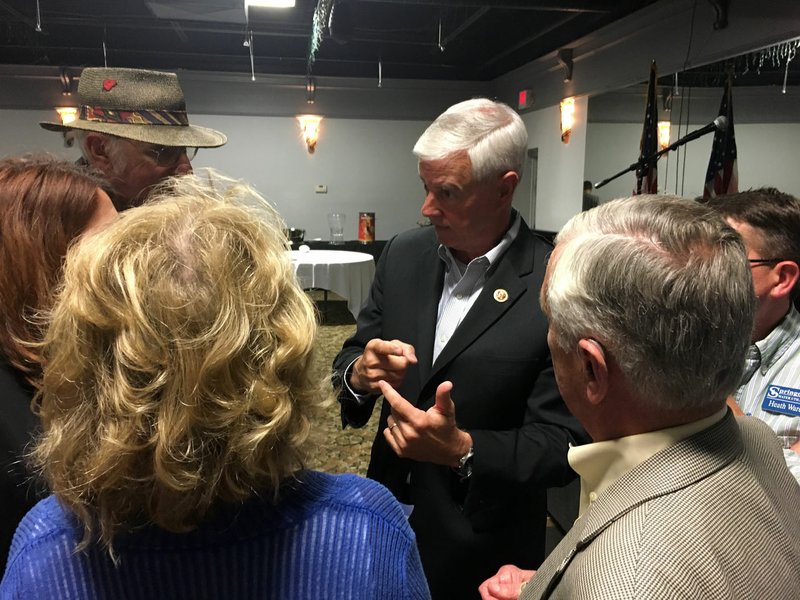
(311, 89)
(269, 3)
(66, 82)
(309, 126)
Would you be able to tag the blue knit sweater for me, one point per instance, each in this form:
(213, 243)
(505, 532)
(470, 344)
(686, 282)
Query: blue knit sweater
(330, 536)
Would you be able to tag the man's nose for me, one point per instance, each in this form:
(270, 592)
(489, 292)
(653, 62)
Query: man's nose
(429, 206)
(183, 166)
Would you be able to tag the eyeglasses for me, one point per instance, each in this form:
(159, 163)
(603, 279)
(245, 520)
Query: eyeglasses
(168, 156)
(760, 262)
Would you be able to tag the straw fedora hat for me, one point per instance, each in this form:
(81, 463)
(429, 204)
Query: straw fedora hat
(147, 106)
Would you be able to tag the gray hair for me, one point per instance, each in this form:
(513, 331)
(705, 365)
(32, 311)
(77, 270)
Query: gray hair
(117, 156)
(492, 133)
(664, 285)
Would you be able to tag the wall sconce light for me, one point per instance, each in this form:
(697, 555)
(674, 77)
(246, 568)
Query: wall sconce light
(309, 125)
(567, 118)
(663, 134)
(67, 114)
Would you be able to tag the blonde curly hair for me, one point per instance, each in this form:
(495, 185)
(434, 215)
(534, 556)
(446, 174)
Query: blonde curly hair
(177, 363)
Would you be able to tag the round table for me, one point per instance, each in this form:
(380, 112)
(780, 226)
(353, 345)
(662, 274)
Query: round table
(349, 274)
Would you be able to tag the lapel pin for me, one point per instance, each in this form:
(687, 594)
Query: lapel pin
(500, 295)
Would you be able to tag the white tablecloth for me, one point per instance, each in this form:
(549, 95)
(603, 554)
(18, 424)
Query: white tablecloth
(349, 274)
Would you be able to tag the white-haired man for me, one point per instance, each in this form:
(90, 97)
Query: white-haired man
(455, 307)
(651, 307)
(133, 127)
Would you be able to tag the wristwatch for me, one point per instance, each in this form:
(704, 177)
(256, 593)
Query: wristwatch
(464, 468)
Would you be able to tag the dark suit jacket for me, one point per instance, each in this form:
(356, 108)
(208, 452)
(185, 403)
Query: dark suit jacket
(714, 516)
(505, 396)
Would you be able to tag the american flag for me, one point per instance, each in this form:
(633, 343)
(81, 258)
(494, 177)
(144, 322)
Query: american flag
(722, 176)
(647, 175)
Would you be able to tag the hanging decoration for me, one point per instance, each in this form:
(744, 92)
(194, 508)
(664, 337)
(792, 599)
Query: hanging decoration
(105, 53)
(38, 18)
(321, 15)
(786, 73)
(774, 56)
(250, 47)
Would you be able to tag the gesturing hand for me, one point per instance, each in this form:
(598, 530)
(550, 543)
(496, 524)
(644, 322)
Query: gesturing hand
(427, 436)
(506, 584)
(381, 360)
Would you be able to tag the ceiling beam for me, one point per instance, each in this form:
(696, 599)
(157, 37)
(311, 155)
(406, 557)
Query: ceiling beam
(576, 6)
(525, 42)
(147, 23)
(15, 13)
(463, 27)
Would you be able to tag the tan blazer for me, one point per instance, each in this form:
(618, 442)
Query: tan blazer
(716, 516)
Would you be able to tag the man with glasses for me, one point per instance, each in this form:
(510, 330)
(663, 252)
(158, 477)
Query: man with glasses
(133, 127)
(769, 223)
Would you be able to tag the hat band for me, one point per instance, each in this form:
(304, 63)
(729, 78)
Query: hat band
(134, 117)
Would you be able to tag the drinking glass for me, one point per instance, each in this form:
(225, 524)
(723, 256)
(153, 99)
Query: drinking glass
(336, 223)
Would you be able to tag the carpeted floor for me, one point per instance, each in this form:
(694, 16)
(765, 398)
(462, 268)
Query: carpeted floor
(338, 451)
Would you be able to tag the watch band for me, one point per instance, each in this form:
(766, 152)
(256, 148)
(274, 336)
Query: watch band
(464, 468)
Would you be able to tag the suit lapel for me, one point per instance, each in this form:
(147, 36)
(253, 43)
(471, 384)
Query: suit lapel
(507, 276)
(430, 281)
(698, 456)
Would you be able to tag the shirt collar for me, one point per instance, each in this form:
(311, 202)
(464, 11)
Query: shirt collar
(600, 464)
(492, 255)
(779, 339)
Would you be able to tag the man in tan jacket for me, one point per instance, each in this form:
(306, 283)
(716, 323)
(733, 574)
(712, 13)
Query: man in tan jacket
(651, 308)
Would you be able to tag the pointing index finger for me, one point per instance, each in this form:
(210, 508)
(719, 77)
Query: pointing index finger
(401, 408)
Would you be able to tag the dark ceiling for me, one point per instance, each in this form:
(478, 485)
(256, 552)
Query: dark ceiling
(396, 39)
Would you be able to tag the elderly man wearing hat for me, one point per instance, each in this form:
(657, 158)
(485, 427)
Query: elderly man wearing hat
(132, 126)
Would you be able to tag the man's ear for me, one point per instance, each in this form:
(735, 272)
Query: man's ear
(788, 273)
(96, 147)
(593, 358)
(508, 183)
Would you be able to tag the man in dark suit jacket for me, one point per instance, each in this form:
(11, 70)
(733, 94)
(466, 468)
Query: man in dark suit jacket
(454, 308)
(651, 308)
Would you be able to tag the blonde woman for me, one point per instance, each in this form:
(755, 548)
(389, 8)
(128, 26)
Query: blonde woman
(176, 406)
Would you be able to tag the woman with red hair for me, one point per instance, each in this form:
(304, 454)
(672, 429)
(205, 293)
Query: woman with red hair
(45, 204)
